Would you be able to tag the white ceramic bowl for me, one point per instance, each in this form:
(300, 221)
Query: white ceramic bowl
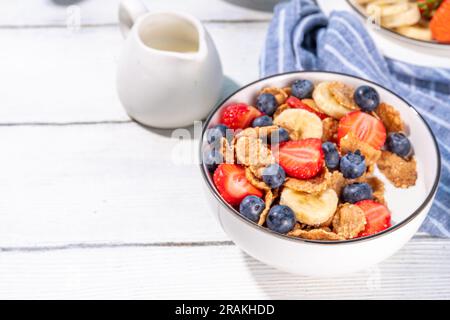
(326, 258)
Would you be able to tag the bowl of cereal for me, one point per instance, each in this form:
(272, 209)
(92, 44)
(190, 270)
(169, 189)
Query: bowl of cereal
(318, 173)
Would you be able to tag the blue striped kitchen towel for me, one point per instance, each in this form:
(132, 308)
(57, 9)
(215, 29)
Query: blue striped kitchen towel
(301, 37)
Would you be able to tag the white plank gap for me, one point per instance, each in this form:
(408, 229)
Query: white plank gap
(421, 270)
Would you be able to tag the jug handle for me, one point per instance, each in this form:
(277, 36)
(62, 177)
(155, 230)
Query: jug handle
(129, 12)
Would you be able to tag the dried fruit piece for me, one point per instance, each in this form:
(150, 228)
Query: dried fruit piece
(349, 221)
(402, 173)
(312, 209)
(300, 124)
(390, 117)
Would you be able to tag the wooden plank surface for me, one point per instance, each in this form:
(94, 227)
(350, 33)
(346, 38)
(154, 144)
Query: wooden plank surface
(26, 13)
(56, 75)
(420, 270)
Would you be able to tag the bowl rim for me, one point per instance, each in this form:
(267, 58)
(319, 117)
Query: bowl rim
(389, 230)
(429, 44)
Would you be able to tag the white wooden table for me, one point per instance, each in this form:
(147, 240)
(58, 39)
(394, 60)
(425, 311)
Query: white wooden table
(91, 205)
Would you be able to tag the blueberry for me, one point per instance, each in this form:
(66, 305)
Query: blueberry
(262, 121)
(302, 89)
(251, 207)
(356, 192)
(211, 158)
(331, 155)
(353, 165)
(399, 144)
(267, 103)
(281, 135)
(214, 134)
(274, 175)
(366, 98)
(281, 219)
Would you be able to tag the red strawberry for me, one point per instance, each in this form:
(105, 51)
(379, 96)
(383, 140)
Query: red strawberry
(302, 159)
(294, 102)
(366, 127)
(378, 217)
(239, 115)
(232, 184)
(440, 23)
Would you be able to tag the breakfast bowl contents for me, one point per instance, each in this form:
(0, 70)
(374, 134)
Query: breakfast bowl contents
(302, 162)
(424, 20)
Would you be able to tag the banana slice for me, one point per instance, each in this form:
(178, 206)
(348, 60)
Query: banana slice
(300, 124)
(311, 209)
(327, 103)
(415, 32)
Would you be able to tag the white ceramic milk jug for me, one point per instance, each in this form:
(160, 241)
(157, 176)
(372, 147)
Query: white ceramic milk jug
(169, 72)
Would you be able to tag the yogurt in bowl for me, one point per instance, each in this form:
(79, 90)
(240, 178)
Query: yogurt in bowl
(326, 194)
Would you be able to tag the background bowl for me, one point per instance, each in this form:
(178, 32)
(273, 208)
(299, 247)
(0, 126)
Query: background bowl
(326, 258)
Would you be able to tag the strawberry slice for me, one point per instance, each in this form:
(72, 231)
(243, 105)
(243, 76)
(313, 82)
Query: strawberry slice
(232, 184)
(440, 23)
(378, 217)
(294, 102)
(239, 115)
(365, 127)
(302, 159)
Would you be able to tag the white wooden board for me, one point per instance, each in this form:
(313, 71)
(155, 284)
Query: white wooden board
(421, 270)
(100, 183)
